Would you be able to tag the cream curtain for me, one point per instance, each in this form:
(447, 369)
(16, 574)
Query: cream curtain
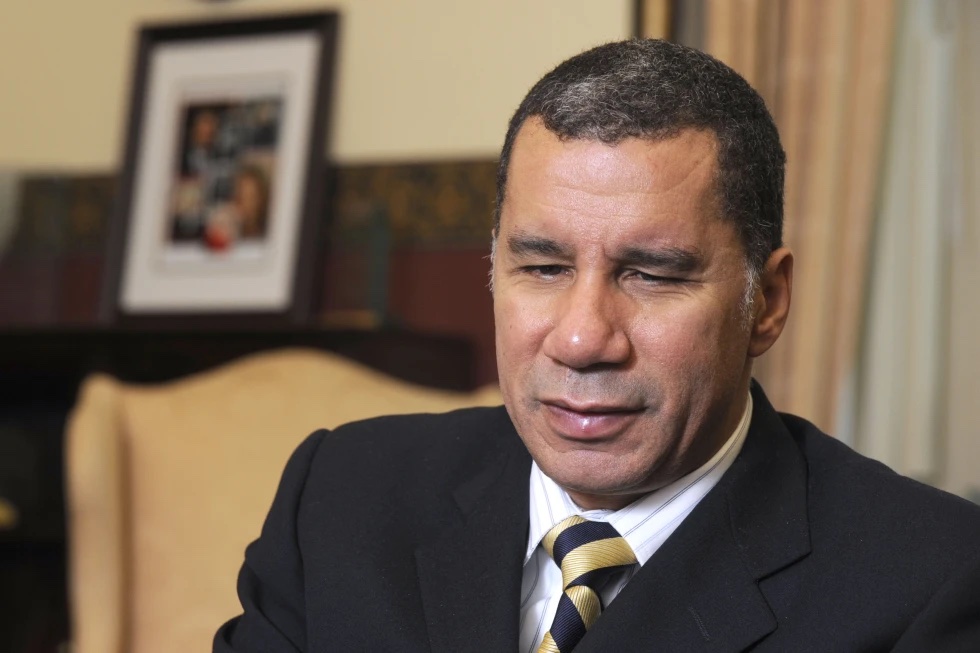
(911, 390)
(961, 408)
(823, 68)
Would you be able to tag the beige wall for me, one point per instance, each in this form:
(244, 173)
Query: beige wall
(417, 79)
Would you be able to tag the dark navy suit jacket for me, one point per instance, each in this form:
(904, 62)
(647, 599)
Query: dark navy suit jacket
(408, 534)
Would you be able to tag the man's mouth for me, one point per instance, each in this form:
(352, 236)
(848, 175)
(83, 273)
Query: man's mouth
(589, 420)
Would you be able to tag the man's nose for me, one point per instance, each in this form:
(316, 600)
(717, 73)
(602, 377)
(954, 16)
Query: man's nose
(589, 327)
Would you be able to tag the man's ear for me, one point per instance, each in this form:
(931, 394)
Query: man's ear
(772, 301)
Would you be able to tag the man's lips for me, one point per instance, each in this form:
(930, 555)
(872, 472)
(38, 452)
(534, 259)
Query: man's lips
(581, 421)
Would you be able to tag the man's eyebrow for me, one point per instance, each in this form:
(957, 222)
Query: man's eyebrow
(523, 244)
(672, 259)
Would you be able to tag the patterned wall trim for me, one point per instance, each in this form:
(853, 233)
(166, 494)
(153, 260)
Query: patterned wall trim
(424, 204)
(62, 213)
(443, 204)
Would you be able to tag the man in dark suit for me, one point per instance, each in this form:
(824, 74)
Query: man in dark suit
(638, 492)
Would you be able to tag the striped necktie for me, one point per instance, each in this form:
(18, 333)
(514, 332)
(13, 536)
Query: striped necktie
(588, 553)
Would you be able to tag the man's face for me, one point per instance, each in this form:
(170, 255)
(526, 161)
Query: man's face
(622, 345)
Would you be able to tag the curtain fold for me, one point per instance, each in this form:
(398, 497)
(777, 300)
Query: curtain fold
(961, 444)
(911, 381)
(823, 69)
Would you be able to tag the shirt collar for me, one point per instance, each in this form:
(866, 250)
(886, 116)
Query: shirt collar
(647, 522)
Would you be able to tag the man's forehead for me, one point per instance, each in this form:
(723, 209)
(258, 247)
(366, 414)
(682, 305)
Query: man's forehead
(683, 166)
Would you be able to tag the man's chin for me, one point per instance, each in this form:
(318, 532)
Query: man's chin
(587, 485)
(602, 498)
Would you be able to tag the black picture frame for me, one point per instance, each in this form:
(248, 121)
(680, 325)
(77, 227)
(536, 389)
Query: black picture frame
(280, 118)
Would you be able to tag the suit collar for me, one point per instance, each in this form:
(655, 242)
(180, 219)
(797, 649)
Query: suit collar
(470, 575)
(767, 495)
(700, 591)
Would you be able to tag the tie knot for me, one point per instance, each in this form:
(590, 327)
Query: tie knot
(586, 551)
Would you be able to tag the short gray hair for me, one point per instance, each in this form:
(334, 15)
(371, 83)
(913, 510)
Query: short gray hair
(655, 89)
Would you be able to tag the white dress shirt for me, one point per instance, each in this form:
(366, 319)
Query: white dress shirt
(645, 524)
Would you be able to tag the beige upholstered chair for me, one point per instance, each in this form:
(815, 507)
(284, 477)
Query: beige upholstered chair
(168, 484)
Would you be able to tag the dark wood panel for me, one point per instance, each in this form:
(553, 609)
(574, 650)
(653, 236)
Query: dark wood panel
(42, 365)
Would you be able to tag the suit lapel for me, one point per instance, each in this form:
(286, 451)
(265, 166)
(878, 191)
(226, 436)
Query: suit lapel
(470, 575)
(700, 591)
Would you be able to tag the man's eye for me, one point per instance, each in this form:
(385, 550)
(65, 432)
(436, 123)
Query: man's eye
(646, 277)
(546, 271)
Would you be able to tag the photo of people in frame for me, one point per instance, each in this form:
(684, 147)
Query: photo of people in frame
(224, 174)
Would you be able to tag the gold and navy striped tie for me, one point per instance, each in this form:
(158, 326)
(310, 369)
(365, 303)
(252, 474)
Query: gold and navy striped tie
(588, 553)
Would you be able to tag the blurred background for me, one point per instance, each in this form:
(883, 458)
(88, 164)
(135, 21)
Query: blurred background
(876, 101)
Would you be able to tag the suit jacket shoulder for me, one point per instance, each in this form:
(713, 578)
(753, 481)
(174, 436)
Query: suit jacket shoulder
(395, 533)
(876, 509)
(887, 540)
(432, 449)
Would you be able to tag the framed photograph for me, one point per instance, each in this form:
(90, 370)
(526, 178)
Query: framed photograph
(221, 187)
